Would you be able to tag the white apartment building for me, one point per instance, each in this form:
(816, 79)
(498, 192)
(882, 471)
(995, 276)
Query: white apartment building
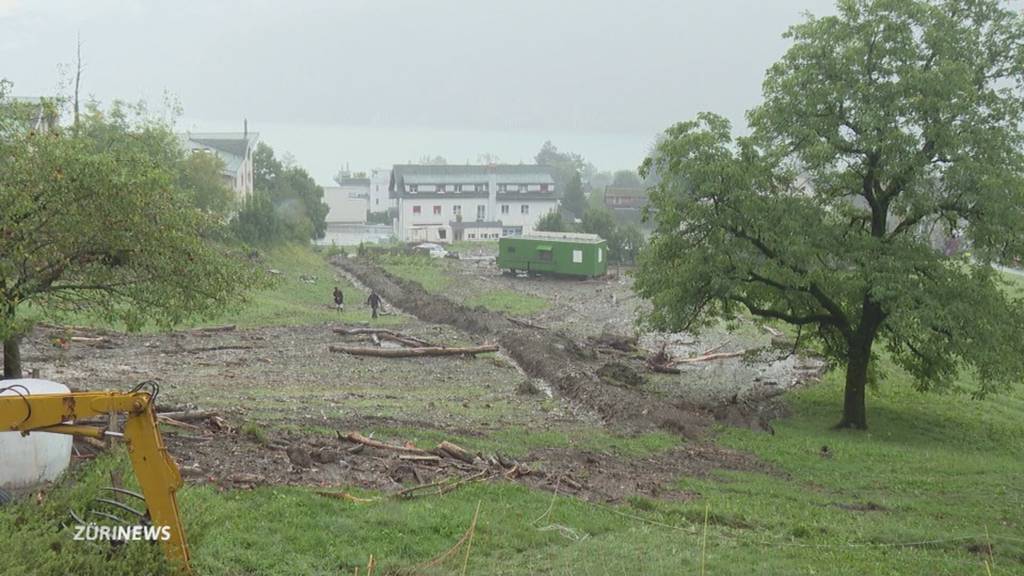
(506, 198)
(380, 199)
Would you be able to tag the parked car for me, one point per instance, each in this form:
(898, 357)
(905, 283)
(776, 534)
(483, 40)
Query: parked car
(435, 250)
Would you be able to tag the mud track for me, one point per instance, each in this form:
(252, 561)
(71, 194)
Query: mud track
(542, 353)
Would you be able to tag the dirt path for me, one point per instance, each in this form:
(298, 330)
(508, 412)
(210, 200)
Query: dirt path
(545, 354)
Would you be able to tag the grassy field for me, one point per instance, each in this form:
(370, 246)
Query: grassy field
(935, 487)
(290, 301)
(935, 483)
(509, 302)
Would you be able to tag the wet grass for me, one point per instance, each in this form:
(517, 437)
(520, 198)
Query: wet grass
(509, 302)
(934, 483)
(301, 294)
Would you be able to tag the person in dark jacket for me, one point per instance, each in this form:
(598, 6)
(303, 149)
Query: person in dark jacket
(339, 298)
(375, 302)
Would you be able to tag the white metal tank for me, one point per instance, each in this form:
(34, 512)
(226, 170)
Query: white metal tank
(38, 457)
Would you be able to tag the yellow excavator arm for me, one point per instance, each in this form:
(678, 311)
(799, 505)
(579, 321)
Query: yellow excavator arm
(155, 470)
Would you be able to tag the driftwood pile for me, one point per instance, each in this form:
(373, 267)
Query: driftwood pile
(406, 346)
(459, 467)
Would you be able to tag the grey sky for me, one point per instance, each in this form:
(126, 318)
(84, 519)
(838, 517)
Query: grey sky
(602, 75)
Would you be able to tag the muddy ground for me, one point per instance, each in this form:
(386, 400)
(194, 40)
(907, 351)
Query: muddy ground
(288, 400)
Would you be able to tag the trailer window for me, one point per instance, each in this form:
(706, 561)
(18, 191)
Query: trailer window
(577, 256)
(511, 249)
(544, 253)
(600, 255)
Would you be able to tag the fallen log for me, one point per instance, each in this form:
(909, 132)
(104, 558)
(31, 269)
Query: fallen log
(89, 339)
(384, 333)
(456, 451)
(358, 438)
(189, 415)
(427, 458)
(413, 352)
(713, 356)
(524, 323)
(177, 423)
(662, 368)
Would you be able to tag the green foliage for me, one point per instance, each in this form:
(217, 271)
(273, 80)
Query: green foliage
(573, 199)
(878, 124)
(94, 220)
(624, 240)
(199, 175)
(552, 222)
(627, 179)
(565, 166)
(386, 217)
(286, 205)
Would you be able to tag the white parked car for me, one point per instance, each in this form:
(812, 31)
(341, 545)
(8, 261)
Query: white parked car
(435, 250)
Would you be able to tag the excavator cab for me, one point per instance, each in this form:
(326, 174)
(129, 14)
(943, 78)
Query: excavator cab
(156, 471)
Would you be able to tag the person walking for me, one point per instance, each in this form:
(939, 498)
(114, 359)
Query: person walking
(339, 299)
(375, 302)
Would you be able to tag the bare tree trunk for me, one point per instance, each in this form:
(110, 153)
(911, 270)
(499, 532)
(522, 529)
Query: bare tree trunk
(78, 76)
(12, 357)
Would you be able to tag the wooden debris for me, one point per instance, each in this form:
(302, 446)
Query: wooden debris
(713, 356)
(177, 423)
(415, 352)
(89, 339)
(425, 458)
(456, 451)
(524, 323)
(360, 439)
(189, 415)
(378, 333)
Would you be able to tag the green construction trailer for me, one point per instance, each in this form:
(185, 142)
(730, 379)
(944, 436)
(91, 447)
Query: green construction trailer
(556, 253)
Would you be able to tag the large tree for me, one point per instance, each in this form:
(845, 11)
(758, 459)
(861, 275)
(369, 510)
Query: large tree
(94, 220)
(879, 124)
(286, 206)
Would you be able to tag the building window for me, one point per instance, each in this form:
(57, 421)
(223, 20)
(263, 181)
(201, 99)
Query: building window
(533, 188)
(377, 201)
(416, 209)
(468, 188)
(577, 256)
(426, 188)
(437, 210)
(456, 210)
(511, 187)
(524, 209)
(472, 236)
(442, 234)
(481, 212)
(449, 187)
(504, 208)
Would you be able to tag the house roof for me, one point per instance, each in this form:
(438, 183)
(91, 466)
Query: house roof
(231, 147)
(403, 174)
(624, 191)
(570, 236)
